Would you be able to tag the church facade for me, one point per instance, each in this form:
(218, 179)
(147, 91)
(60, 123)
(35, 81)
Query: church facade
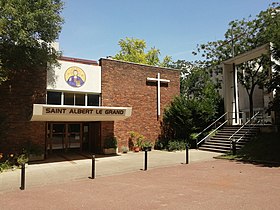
(80, 103)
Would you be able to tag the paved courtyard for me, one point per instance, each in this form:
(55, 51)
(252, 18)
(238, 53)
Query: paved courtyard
(67, 167)
(205, 183)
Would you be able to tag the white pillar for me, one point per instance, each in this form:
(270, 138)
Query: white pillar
(230, 93)
(236, 98)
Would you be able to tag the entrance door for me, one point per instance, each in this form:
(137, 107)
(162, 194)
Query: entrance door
(64, 136)
(74, 134)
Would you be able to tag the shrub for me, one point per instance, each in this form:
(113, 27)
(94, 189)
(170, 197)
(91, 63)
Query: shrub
(136, 139)
(5, 165)
(125, 149)
(159, 145)
(174, 145)
(22, 159)
(7, 161)
(111, 142)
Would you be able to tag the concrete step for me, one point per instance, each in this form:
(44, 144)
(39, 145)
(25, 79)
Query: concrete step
(217, 146)
(213, 149)
(220, 141)
(239, 133)
(221, 138)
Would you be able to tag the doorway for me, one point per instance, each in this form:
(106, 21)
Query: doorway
(74, 136)
(64, 136)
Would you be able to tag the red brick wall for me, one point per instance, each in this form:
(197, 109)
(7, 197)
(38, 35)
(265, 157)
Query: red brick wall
(124, 84)
(17, 96)
(107, 131)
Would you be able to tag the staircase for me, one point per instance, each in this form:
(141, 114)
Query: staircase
(221, 141)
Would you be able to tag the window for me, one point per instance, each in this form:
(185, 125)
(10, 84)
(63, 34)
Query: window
(80, 99)
(76, 99)
(68, 99)
(93, 100)
(54, 98)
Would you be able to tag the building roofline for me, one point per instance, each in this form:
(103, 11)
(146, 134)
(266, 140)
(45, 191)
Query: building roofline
(140, 64)
(78, 60)
(249, 55)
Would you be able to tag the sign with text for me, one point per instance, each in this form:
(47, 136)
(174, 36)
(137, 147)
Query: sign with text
(82, 111)
(43, 112)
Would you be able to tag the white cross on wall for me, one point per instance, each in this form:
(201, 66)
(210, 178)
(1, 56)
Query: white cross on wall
(158, 80)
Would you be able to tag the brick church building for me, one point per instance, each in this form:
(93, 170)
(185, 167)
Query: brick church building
(82, 102)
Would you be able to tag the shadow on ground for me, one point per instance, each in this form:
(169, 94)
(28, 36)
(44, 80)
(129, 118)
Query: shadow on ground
(261, 163)
(69, 156)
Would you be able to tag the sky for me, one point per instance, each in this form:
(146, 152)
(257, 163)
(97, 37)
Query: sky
(93, 28)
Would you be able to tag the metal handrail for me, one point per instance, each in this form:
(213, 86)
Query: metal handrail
(245, 133)
(243, 127)
(211, 125)
(211, 133)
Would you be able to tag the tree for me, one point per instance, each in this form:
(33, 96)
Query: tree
(196, 82)
(242, 36)
(133, 50)
(272, 34)
(26, 30)
(198, 105)
(184, 66)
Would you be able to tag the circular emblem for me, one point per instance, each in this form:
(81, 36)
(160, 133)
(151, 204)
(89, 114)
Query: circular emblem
(75, 76)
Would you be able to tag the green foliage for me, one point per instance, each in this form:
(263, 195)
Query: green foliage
(133, 50)
(7, 161)
(5, 166)
(242, 36)
(22, 159)
(184, 66)
(161, 144)
(26, 29)
(125, 149)
(175, 145)
(184, 117)
(146, 144)
(197, 84)
(136, 138)
(111, 142)
(178, 120)
(198, 105)
(167, 60)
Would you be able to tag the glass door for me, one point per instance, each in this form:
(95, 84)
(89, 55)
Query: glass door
(56, 134)
(74, 136)
(64, 136)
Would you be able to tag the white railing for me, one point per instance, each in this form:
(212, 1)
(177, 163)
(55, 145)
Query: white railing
(213, 131)
(228, 117)
(205, 129)
(246, 123)
(210, 126)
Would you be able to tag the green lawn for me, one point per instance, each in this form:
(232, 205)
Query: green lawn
(264, 148)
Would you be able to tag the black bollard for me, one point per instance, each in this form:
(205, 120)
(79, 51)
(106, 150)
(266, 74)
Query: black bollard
(146, 160)
(187, 154)
(233, 146)
(93, 167)
(22, 185)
